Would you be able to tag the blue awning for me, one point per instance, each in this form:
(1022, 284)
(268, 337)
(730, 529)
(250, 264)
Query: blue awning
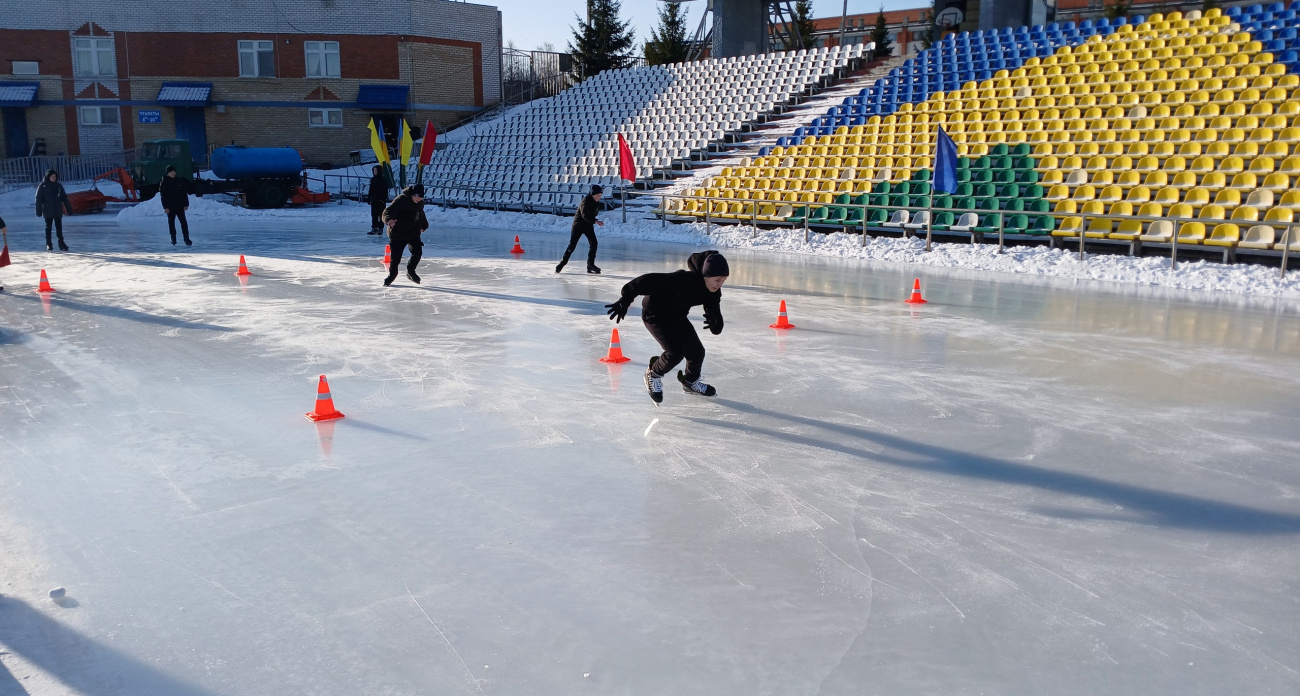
(382, 96)
(19, 94)
(185, 93)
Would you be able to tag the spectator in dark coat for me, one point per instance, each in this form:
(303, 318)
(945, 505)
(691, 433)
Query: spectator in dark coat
(584, 222)
(174, 192)
(378, 198)
(51, 201)
(405, 220)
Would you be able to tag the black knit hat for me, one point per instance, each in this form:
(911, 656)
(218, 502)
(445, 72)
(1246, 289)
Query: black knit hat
(596, 188)
(171, 168)
(414, 190)
(715, 265)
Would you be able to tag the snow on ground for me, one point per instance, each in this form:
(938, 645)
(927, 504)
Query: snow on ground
(1204, 276)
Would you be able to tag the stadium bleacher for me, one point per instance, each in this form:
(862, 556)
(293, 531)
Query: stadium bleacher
(1062, 131)
(549, 153)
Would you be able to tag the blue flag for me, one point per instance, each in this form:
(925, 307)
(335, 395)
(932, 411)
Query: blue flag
(945, 163)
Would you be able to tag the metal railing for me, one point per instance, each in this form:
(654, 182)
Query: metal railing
(1173, 241)
(19, 172)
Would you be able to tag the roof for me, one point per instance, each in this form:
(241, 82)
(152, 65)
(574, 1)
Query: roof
(892, 18)
(20, 94)
(382, 96)
(185, 93)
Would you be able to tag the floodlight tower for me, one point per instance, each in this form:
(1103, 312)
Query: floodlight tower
(743, 27)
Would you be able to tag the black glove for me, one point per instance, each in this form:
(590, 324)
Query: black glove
(617, 311)
(713, 325)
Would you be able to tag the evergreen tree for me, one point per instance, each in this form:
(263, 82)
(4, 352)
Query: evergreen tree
(928, 30)
(1116, 9)
(803, 27)
(667, 42)
(880, 35)
(604, 42)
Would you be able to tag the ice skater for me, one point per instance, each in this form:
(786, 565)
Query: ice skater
(584, 221)
(405, 220)
(665, 309)
(175, 194)
(51, 201)
(378, 198)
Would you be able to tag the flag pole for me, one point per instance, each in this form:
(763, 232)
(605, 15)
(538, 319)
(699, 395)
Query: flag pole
(623, 194)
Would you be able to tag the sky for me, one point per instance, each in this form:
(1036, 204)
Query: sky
(532, 23)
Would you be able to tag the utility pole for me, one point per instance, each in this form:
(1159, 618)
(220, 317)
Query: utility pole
(844, 18)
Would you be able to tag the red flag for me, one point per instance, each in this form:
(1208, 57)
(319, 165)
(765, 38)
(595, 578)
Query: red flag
(4, 257)
(626, 165)
(430, 140)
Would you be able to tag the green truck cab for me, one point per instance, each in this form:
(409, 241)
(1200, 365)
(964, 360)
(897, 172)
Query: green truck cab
(151, 165)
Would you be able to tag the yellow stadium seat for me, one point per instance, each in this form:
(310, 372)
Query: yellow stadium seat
(1168, 196)
(1290, 199)
(1279, 214)
(1099, 227)
(1191, 233)
(1139, 195)
(1245, 214)
(1262, 165)
(1278, 182)
(1197, 198)
(1084, 193)
(1156, 180)
(1180, 210)
(1212, 213)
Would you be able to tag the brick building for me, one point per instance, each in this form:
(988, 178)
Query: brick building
(904, 26)
(102, 75)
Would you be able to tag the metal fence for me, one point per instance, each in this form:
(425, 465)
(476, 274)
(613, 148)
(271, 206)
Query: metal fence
(1174, 241)
(19, 172)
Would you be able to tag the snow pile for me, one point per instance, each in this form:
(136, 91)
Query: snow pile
(215, 207)
(1206, 276)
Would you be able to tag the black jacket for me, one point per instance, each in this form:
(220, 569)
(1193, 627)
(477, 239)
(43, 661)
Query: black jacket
(52, 200)
(408, 214)
(2, 223)
(174, 193)
(378, 189)
(584, 219)
(671, 295)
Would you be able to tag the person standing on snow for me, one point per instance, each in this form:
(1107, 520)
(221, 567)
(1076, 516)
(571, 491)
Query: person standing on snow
(584, 221)
(665, 309)
(175, 195)
(378, 198)
(51, 201)
(405, 220)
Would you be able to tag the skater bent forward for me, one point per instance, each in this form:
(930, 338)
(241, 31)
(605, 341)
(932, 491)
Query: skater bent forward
(669, 298)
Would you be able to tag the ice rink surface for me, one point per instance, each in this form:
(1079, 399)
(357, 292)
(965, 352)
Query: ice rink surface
(1025, 486)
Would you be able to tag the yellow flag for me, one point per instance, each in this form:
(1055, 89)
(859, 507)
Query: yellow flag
(405, 144)
(377, 142)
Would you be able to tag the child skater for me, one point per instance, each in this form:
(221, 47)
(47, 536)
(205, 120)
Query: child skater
(669, 298)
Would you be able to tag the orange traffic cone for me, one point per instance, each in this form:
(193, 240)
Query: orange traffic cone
(517, 249)
(243, 267)
(916, 294)
(324, 403)
(615, 350)
(45, 283)
(388, 254)
(782, 321)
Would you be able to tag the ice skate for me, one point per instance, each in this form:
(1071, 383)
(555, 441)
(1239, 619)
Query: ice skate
(593, 270)
(414, 278)
(63, 247)
(188, 242)
(696, 387)
(654, 384)
(559, 267)
(389, 280)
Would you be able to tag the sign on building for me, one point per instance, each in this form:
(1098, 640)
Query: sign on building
(150, 116)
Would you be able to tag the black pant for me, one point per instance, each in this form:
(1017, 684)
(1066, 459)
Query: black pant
(57, 223)
(397, 241)
(173, 215)
(376, 211)
(678, 339)
(577, 234)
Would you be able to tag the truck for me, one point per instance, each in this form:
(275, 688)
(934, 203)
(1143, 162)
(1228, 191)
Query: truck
(268, 177)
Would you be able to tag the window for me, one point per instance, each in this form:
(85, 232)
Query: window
(27, 67)
(325, 118)
(94, 56)
(322, 58)
(98, 115)
(256, 59)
